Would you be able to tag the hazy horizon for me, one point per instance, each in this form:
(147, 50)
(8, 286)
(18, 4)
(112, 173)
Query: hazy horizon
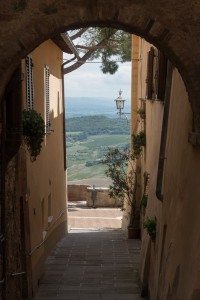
(83, 106)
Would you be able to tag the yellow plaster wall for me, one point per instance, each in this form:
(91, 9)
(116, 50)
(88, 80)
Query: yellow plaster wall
(171, 266)
(46, 176)
(138, 93)
(181, 206)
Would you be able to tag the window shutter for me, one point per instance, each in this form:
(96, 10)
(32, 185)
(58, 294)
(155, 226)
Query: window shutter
(162, 76)
(149, 79)
(47, 74)
(155, 74)
(29, 82)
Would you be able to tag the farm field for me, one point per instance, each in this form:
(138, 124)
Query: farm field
(83, 157)
(88, 139)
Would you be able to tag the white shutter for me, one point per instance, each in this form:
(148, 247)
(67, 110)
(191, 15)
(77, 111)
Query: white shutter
(29, 82)
(47, 74)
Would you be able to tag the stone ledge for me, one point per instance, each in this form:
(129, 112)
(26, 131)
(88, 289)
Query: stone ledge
(101, 198)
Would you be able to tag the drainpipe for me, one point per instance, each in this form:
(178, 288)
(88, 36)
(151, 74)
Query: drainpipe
(162, 157)
(64, 135)
(70, 44)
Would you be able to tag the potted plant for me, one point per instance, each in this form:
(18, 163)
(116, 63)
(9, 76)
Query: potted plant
(144, 200)
(150, 225)
(33, 132)
(141, 112)
(139, 140)
(122, 170)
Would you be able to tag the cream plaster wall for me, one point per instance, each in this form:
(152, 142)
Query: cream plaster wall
(46, 176)
(180, 212)
(138, 94)
(171, 266)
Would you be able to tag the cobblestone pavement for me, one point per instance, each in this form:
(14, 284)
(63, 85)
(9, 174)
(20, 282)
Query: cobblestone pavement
(92, 263)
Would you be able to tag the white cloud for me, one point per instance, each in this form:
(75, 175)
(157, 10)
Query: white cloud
(89, 81)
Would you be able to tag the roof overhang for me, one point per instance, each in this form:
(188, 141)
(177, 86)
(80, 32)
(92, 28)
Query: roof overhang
(61, 43)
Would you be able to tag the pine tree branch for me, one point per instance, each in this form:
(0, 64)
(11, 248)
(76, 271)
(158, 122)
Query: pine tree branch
(84, 58)
(78, 34)
(96, 47)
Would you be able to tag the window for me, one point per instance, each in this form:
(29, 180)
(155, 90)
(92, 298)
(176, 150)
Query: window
(162, 76)
(29, 82)
(47, 96)
(156, 75)
(149, 80)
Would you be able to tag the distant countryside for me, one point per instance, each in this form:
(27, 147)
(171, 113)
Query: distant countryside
(88, 138)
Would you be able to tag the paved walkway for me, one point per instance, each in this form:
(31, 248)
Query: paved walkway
(79, 216)
(92, 263)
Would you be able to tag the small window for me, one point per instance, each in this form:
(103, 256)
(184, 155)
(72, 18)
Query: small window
(149, 80)
(29, 83)
(162, 76)
(47, 96)
(156, 75)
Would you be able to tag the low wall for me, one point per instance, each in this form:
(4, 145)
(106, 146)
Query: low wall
(77, 192)
(99, 197)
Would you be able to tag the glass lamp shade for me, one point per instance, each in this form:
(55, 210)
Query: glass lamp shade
(120, 103)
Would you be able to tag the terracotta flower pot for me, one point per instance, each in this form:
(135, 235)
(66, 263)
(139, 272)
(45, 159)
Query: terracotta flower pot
(133, 233)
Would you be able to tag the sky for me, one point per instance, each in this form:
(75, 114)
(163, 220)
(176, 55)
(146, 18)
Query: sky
(89, 81)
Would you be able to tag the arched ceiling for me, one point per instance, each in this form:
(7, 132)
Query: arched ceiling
(172, 26)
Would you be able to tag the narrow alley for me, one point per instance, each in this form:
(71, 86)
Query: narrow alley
(95, 261)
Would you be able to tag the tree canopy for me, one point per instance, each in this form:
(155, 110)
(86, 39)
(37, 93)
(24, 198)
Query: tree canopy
(107, 45)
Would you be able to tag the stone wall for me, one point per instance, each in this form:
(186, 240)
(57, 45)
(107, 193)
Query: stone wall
(16, 261)
(85, 193)
(161, 25)
(99, 197)
(77, 192)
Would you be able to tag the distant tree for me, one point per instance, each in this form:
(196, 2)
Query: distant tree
(121, 169)
(108, 45)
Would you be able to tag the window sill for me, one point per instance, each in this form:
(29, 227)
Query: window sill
(49, 130)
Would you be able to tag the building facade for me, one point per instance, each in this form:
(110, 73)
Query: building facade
(46, 177)
(168, 171)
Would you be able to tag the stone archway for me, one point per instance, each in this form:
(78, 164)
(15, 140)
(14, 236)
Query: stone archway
(172, 27)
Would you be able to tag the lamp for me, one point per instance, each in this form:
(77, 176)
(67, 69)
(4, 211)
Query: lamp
(120, 105)
(120, 102)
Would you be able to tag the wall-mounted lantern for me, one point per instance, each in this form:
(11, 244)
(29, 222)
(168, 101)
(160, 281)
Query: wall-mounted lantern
(120, 105)
(120, 102)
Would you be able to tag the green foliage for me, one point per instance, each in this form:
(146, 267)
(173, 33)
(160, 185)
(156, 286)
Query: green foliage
(108, 66)
(139, 140)
(97, 125)
(150, 225)
(141, 111)
(124, 180)
(33, 132)
(144, 200)
(90, 150)
(116, 46)
(88, 139)
(77, 136)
